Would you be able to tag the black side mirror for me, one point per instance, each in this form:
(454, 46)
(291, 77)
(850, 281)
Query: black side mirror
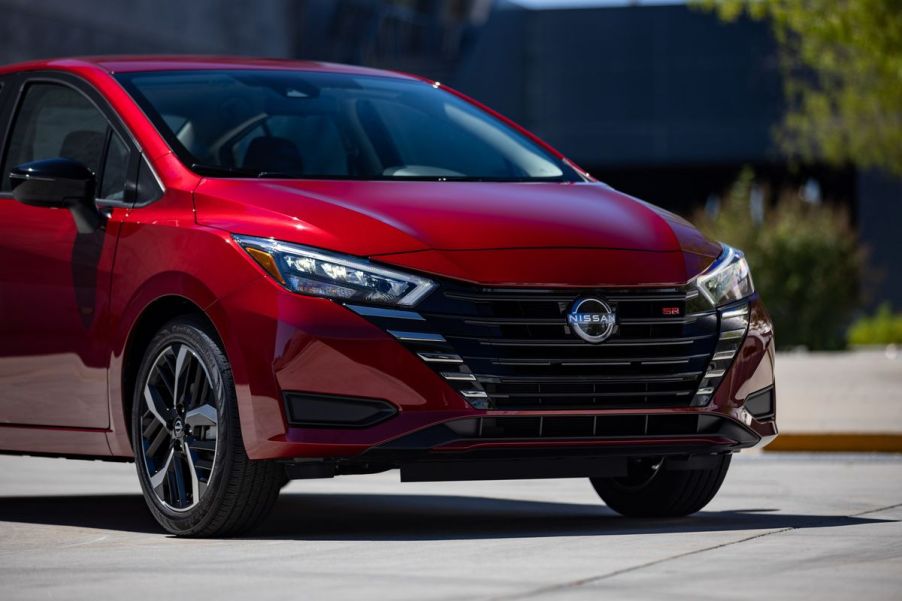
(58, 183)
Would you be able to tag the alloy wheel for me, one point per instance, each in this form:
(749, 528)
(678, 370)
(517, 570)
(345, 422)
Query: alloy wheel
(179, 427)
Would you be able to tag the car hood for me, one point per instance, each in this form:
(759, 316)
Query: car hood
(450, 225)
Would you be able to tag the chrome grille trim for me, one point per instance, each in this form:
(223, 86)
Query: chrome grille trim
(440, 358)
(417, 336)
(729, 342)
(458, 376)
(383, 312)
(732, 334)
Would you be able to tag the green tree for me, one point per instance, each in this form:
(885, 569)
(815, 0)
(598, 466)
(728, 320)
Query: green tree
(884, 327)
(805, 261)
(842, 63)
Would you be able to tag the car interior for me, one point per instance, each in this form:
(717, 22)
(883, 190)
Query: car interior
(320, 127)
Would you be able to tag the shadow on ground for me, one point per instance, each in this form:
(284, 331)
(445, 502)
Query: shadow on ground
(367, 517)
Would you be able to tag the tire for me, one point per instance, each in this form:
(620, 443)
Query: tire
(650, 491)
(196, 477)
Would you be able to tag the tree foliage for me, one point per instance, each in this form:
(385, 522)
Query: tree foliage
(884, 327)
(842, 63)
(805, 261)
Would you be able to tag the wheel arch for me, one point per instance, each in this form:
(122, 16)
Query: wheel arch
(160, 299)
(157, 314)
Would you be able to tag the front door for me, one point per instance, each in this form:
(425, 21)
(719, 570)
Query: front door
(54, 281)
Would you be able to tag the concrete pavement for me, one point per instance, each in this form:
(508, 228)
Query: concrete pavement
(839, 401)
(783, 526)
(839, 392)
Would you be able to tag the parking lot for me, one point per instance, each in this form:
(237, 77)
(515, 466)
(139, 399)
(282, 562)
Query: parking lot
(783, 525)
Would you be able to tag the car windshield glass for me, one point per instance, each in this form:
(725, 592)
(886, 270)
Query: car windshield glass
(304, 124)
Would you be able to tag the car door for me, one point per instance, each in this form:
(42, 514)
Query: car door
(55, 281)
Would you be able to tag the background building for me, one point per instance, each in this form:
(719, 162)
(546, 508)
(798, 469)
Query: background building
(661, 101)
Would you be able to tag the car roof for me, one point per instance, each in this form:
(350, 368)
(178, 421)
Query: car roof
(130, 64)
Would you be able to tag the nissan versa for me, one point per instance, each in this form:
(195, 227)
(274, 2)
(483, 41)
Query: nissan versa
(238, 272)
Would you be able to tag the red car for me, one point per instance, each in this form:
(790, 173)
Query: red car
(236, 272)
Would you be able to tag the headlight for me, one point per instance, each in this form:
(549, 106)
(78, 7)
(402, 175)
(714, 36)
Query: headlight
(309, 271)
(727, 279)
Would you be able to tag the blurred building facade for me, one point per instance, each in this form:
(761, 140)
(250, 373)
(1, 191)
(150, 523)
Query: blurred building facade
(663, 102)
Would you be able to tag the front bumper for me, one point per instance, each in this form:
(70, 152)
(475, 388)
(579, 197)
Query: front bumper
(278, 341)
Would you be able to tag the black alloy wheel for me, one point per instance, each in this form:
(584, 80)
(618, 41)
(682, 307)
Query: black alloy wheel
(195, 473)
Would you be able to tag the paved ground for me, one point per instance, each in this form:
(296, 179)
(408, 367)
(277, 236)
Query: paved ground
(839, 392)
(783, 526)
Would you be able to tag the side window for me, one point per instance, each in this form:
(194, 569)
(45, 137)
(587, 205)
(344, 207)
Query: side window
(115, 169)
(55, 121)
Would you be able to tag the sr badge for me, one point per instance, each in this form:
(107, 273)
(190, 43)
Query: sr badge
(592, 319)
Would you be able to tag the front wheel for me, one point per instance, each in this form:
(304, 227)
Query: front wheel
(194, 472)
(650, 490)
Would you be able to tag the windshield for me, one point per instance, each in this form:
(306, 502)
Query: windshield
(302, 124)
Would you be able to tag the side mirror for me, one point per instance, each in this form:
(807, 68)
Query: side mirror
(58, 183)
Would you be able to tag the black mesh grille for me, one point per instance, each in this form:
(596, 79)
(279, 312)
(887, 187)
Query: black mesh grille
(523, 354)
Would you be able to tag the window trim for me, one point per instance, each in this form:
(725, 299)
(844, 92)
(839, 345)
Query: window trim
(11, 83)
(9, 112)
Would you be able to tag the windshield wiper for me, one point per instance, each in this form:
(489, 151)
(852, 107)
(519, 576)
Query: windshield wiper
(222, 171)
(465, 179)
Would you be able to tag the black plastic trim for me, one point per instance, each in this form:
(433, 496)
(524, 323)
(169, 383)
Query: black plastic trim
(574, 428)
(312, 410)
(762, 404)
(514, 469)
(502, 465)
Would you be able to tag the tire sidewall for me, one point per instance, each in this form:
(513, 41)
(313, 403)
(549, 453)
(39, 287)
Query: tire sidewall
(667, 493)
(189, 332)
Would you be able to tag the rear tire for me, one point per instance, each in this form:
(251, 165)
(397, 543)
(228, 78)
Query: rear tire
(650, 490)
(195, 474)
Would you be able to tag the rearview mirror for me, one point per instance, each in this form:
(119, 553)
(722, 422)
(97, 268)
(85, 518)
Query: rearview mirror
(58, 183)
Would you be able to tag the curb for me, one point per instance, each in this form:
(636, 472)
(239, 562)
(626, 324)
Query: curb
(837, 442)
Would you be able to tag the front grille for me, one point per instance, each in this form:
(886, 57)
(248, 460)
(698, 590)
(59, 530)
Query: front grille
(513, 349)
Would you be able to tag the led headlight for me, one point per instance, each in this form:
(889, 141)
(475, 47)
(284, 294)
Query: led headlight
(727, 279)
(318, 273)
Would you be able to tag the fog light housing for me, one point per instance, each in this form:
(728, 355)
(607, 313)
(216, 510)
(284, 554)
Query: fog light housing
(330, 411)
(762, 404)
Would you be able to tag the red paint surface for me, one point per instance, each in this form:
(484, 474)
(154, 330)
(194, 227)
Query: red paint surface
(76, 326)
